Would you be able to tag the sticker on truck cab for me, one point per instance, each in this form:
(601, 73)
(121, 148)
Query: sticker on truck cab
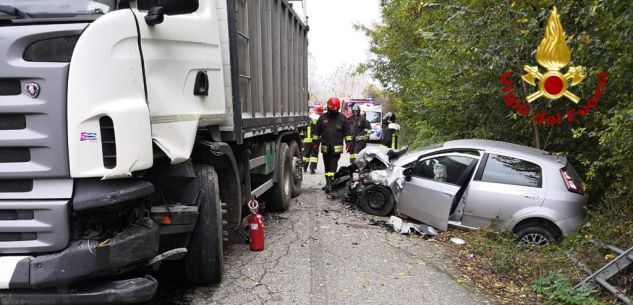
(88, 136)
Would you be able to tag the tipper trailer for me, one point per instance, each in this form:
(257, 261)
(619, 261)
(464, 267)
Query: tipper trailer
(135, 131)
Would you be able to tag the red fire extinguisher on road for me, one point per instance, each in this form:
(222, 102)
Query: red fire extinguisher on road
(255, 227)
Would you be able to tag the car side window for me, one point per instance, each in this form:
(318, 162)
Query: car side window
(509, 170)
(449, 169)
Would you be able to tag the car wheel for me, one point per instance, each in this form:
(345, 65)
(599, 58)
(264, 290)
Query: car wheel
(538, 236)
(296, 169)
(377, 200)
(278, 197)
(204, 262)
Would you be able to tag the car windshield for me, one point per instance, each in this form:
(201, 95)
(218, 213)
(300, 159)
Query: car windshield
(60, 7)
(373, 116)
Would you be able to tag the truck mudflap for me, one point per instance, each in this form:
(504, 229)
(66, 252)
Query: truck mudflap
(82, 260)
(110, 292)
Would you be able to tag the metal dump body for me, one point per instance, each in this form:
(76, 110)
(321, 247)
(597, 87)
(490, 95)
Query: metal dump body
(269, 63)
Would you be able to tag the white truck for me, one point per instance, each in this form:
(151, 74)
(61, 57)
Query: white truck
(134, 132)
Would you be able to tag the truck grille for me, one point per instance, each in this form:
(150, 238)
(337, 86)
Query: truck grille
(108, 142)
(14, 155)
(16, 186)
(10, 87)
(12, 121)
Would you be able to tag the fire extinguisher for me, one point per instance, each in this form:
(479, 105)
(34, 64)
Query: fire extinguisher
(255, 227)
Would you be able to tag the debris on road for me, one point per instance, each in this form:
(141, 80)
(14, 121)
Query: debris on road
(404, 227)
(457, 241)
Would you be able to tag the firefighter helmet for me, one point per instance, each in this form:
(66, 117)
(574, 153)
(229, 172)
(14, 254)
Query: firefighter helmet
(333, 104)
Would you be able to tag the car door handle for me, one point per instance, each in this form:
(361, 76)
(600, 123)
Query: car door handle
(447, 194)
(530, 197)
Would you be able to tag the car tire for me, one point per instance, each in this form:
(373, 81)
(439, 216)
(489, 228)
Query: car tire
(536, 235)
(278, 197)
(377, 200)
(296, 168)
(204, 262)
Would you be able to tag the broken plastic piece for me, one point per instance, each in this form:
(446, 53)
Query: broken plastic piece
(457, 241)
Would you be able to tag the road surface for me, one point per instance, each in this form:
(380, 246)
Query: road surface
(323, 251)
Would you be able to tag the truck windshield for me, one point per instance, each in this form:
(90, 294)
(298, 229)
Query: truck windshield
(37, 8)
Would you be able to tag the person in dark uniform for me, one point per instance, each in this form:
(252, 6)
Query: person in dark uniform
(360, 129)
(311, 142)
(390, 131)
(332, 130)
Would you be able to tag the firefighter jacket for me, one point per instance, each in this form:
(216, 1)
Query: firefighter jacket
(309, 136)
(332, 128)
(390, 133)
(360, 128)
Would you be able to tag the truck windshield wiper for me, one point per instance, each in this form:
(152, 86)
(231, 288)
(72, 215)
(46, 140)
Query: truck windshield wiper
(14, 11)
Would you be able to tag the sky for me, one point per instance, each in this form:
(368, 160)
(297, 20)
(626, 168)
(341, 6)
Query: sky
(333, 41)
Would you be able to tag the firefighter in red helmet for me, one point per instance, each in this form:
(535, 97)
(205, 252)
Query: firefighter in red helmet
(311, 142)
(333, 131)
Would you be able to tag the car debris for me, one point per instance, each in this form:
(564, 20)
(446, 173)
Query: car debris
(406, 228)
(458, 241)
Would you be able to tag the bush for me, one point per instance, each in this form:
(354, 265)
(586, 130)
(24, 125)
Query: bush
(557, 289)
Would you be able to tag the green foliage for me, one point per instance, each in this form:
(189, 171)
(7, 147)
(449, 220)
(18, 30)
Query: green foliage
(441, 63)
(558, 290)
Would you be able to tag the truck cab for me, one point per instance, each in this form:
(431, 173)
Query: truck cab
(135, 132)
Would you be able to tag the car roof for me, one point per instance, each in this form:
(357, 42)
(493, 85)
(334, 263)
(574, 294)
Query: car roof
(507, 148)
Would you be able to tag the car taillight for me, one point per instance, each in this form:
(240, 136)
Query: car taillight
(572, 186)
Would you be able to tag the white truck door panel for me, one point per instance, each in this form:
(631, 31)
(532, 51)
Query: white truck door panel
(174, 52)
(428, 201)
(105, 78)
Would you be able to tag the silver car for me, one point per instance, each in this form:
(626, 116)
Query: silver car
(473, 183)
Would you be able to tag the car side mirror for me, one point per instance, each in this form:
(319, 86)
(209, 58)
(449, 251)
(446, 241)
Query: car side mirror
(156, 14)
(408, 172)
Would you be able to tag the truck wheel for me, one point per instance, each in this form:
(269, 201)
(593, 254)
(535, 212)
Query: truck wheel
(377, 200)
(204, 264)
(297, 169)
(278, 197)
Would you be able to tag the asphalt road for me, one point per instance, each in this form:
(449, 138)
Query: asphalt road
(323, 251)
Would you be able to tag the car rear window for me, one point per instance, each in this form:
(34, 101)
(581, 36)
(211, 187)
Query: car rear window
(509, 170)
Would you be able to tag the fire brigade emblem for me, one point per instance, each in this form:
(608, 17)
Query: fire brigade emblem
(553, 55)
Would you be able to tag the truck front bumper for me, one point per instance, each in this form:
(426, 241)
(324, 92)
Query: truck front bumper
(30, 278)
(110, 292)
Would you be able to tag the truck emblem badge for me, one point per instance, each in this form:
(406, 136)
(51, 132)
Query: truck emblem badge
(33, 89)
(88, 136)
(553, 55)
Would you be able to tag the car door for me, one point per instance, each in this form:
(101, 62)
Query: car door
(502, 187)
(429, 194)
(183, 66)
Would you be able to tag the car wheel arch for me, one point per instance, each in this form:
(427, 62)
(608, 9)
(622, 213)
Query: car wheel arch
(541, 222)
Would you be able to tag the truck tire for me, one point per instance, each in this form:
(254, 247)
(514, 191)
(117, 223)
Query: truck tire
(377, 200)
(204, 263)
(278, 197)
(297, 169)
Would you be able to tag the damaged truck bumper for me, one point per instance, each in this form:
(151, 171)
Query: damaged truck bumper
(65, 277)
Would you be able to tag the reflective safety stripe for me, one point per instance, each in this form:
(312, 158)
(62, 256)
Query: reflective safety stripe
(368, 131)
(329, 174)
(307, 140)
(338, 148)
(315, 137)
(353, 156)
(314, 159)
(309, 135)
(349, 138)
(393, 141)
(306, 159)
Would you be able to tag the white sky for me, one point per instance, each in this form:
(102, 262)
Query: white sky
(333, 41)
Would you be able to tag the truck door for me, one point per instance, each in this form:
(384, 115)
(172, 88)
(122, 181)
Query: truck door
(429, 195)
(183, 74)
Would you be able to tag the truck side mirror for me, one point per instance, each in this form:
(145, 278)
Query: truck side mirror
(156, 14)
(407, 173)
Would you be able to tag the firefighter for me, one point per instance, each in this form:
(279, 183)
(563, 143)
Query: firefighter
(390, 131)
(360, 129)
(311, 142)
(333, 129)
